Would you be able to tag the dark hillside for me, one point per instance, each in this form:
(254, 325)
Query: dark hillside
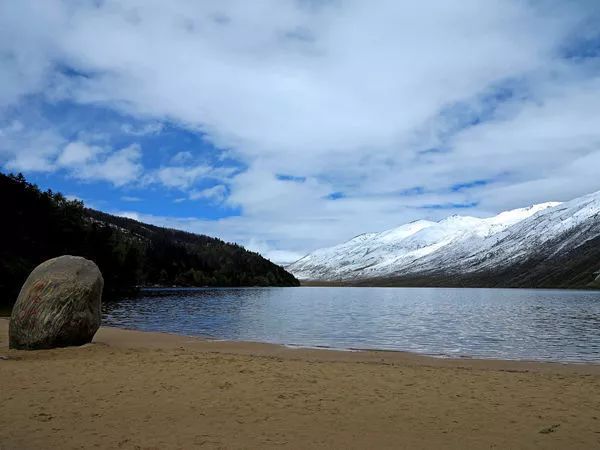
(40, 225)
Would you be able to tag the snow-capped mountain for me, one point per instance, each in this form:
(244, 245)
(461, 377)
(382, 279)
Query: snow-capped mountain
(464, 248)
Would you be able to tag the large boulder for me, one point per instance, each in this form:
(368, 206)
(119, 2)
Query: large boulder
(58, 306)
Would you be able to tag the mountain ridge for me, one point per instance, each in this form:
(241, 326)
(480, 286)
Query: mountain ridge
(465, 250)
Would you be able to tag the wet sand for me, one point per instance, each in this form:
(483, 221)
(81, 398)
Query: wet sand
(137, 390)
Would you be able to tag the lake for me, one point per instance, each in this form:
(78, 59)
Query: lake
(542, 325)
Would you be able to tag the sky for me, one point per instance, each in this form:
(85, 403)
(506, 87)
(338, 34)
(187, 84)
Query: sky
(286, 126)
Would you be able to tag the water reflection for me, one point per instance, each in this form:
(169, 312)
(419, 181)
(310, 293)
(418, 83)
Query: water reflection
(488, 323)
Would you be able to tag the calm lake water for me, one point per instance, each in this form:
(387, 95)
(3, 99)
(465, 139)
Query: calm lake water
(485, 323)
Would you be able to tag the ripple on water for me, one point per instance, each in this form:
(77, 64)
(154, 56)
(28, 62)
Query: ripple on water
(557, 325)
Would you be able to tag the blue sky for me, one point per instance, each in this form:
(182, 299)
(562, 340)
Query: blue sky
(290, 125)
(172, 146)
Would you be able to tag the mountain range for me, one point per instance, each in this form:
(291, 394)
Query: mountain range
(546, 245)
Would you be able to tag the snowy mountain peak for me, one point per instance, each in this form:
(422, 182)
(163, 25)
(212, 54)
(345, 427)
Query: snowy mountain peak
(449, 244)
(402, 231)
(516, 215)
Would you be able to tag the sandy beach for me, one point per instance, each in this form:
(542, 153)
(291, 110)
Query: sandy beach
(137, 390)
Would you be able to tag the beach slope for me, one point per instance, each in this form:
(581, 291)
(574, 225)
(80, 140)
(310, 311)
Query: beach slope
(149, 390)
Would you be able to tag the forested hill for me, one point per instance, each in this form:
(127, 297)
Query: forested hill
(39, 225)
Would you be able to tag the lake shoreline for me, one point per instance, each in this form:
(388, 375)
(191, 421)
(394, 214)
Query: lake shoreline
(124, 337)
(325, 353)
(132, 389)
(374, 283)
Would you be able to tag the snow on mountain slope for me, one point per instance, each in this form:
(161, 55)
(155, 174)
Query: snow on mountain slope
(457, 243)
(565, 226)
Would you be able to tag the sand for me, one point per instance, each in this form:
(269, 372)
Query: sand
(137, 390)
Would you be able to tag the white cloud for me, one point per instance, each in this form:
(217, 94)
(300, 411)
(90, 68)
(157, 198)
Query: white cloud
(283, 257)
(215, 193)
(90, 163)
(184, 177)
(149, 128)
(182, 158)
(37, 148)
(120, 167)
(346, 94)
(77, 154)
(25, 149)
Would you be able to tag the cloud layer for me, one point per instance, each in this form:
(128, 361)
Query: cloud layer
(346, 116)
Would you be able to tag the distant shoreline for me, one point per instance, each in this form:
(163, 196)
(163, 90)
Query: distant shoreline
(379, 284)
